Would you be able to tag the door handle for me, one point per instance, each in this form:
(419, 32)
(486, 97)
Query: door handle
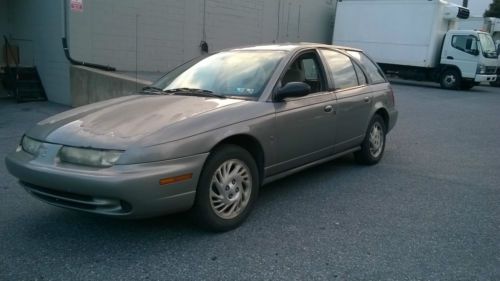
(366, 99)
(450, 58)
(328, 108)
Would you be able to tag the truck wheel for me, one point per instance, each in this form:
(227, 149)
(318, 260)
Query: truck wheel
(227, 189)
(451, 79)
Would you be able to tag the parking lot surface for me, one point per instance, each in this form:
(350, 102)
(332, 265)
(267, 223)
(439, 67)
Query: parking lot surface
(429, 211)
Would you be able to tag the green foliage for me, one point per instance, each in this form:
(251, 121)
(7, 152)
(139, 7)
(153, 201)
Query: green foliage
(494, 10)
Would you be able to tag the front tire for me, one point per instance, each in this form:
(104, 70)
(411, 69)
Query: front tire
(373, 146)
(451, 79)
(227, 189)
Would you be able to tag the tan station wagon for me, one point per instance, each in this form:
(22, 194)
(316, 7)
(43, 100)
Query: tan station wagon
(209, 133)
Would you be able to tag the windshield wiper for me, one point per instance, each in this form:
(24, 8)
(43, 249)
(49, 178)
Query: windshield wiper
(194, 92)
(152, 90)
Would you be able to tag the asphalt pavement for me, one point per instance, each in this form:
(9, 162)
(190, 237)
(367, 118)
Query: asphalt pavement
(429, 211)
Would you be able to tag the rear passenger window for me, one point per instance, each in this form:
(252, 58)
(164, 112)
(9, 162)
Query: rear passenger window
(373, 71)
(344, 75)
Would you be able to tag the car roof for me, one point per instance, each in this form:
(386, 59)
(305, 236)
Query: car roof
(290, 47)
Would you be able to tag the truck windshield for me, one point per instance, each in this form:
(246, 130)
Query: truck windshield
(489, 50)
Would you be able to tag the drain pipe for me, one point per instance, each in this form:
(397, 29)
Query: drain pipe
(66, 48)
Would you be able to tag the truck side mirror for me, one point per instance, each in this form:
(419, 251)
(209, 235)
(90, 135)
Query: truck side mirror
(475, 52)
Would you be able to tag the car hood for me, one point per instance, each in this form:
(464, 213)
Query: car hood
(117, 123)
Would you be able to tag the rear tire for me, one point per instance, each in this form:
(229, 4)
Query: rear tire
(227, 189)
(373, 146)
(451, 79)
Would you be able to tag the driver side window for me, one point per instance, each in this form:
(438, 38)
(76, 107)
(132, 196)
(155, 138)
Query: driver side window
(305, 69)
(464, 43)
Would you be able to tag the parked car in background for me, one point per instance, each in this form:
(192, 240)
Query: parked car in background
(208, 134)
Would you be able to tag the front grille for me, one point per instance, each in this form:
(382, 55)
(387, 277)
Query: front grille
(78, 201)
(491, 69)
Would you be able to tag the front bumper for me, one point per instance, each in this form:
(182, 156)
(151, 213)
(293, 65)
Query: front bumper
(486, 78)
(131, 191)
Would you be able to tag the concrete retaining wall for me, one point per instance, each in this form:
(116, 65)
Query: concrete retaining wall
(90, 85)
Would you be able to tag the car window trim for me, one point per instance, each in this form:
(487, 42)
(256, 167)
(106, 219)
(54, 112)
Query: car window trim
(355, 63)
(310, 96)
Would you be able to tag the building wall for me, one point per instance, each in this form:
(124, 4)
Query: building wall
(3, 27)
(36, 27)
(156, 35)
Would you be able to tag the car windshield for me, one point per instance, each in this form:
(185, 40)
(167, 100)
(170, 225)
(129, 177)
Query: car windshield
(237, 74)
(488, 46)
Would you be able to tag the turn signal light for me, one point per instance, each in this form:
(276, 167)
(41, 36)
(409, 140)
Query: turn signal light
(175, 179)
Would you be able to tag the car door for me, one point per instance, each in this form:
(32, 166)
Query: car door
(463, 53)
(353, 99)
(305, 125)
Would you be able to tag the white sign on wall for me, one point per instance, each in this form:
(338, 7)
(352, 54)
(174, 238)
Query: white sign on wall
(77, 5)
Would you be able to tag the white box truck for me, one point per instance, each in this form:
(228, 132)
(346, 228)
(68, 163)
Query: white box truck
(489, 25)
(418, 40)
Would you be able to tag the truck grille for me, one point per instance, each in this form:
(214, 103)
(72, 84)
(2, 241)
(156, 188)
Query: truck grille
(491, 69)
(78, 201)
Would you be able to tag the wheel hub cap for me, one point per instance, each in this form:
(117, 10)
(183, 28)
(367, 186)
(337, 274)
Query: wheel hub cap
(450, 80)
(376, 140)
(230, 189)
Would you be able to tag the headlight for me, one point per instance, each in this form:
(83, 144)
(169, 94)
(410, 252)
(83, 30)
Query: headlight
(30, 145)
(481, 69)
(89, 157)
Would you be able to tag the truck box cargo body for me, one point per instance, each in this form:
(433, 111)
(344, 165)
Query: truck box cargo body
(408, 37)
(397, 32)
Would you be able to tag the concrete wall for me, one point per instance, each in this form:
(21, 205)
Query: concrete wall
(36, 26)
(156, 35)
(90, 85)
(3, 28)
(152, 35)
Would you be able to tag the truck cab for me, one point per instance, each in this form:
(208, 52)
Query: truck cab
(468, 58)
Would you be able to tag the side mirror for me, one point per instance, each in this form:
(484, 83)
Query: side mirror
(475, 52)
(293, 90)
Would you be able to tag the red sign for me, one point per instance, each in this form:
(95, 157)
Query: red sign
(77, 5)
